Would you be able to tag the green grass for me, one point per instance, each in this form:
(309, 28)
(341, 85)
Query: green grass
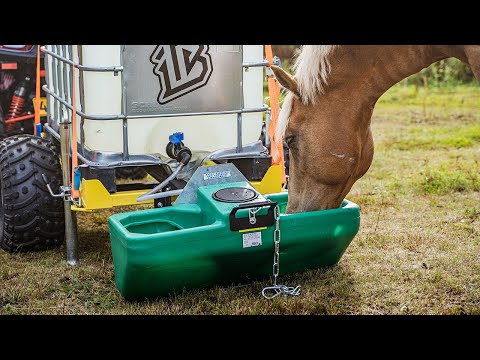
(443, 179)
(416, 251)
(434, 138)
(448, 97)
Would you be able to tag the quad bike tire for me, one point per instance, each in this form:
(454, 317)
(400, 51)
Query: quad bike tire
(30, 219)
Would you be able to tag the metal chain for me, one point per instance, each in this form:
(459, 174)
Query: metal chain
(276, 288)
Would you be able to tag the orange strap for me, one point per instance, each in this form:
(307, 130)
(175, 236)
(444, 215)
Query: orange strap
(37, 91)
(276, 145)
(75, 193)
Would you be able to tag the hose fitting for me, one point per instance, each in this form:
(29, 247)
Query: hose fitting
(177, 150)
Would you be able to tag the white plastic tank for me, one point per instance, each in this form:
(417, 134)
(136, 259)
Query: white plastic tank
(165, 79)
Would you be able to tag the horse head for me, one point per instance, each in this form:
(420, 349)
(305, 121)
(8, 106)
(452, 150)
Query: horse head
(326, 116)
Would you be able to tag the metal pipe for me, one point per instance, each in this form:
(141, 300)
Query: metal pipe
(242, 111)
(80, 113)
(56, 106)
(71, 240)
(49, 101)
(70, 218)
(82, 67)
(268, 116)
(239, 132)
(260, 64)
(82, 136)
(160, 186)
(59, 87)
(84, 160)
(162, 194)
(66, 77)
(239, 115)
(125, 155)
(52, 132)
(121, 116)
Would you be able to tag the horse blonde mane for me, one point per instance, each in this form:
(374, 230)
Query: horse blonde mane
(311, 70)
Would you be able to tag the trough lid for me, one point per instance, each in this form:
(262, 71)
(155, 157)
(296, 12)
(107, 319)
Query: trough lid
(235, 195)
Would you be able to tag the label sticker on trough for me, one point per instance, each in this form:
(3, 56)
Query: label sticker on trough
(252, 239)
(217, 175)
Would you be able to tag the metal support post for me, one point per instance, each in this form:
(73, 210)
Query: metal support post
(71, 240)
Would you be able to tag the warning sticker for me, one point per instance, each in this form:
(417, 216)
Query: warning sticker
(252, 239)
(217, 175)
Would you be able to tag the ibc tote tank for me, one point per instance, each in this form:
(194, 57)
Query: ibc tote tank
(167, 79)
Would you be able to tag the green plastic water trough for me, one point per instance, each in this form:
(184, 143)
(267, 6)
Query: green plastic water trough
(164, 251)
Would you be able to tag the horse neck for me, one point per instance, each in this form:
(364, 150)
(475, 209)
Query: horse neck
(369, 71)
(381, 67)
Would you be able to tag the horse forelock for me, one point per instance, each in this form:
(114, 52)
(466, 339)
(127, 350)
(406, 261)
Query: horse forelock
(311, 70)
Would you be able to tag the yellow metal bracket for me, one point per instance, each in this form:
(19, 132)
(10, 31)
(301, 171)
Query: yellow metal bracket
(271, 182)
(94, 196)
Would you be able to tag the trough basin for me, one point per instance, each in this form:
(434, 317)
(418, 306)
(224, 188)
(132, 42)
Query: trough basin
(169, 250)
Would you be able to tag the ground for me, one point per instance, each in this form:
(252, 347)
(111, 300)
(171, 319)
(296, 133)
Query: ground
(417, 251)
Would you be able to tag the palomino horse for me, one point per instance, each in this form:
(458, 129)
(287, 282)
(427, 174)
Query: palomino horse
(325, 119)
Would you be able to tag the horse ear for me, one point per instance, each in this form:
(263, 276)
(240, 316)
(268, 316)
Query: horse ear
(285, 79)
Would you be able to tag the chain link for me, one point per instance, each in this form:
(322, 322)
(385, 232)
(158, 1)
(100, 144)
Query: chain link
(275, 288)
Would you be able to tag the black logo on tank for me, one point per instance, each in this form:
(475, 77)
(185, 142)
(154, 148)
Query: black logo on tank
(181, 69)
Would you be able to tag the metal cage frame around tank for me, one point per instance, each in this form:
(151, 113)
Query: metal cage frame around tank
(62, 75)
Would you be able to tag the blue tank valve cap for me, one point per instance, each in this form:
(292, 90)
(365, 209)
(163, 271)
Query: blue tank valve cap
(176, 138)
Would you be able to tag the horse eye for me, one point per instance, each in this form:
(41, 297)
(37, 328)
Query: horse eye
(289, 140)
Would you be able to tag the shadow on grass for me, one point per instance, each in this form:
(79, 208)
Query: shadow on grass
(323, 291)
(93, 242)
